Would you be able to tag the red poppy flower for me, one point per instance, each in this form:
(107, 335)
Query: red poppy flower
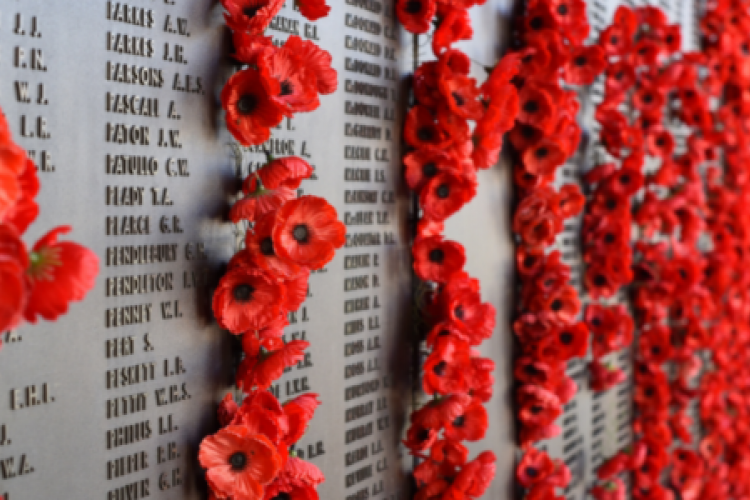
(14, 261)
(247, 299)
(573, 340)
(423, 130)
(615, 40)
(429, 227)
(544, 158)
(270, 187)
(60, 273)
(475, 477)
(25, 210)
(461, 95)
(455, 26)
(604, 377)
(247, 47)
(13, 162)
(537, 107)
(316, 61)
(570, 200)
(462, 303)
(620, 78)
(534, 467)
(239, 464)
(538, 407)
(308, 232)
(290, 86)
(424, 164)
(501, 76)
(451, 453)
(585, 64)
(537, 220)
(532, 434)
(313, 9)
(436, 259)
(227, 410)
(445, 194)
(497, 119)
(265, 361)
(252, 16)
(660, 143)
(420, 438)
(299, 412)
(260, 246)
(416, 15)
(470, 424)
(446, 368)
(250, 111)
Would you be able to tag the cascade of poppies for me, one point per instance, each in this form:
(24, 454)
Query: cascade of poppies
(252, 457)
(552, 51)
(40, 282)
(648, 85)
(445, 151)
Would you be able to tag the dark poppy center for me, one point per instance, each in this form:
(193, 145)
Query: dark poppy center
(531, 107)
(458, 98)
(528, 132)
(247, 104)
(536, 409)
(243, 293)
(541, 153)
(423, 435)
(625, 179)
(660, 142)
(580, 61)
(266, 246)
(649, 392)
(443, 191)
(648, 98)
(444, 333)
(429, 170)
(424, 134)
(301, 233)
(238, 461)
(529, 261)
(437, 255)
(286, 88)
(566, 338)
(251, 11)
(556, 305)
(459, 422)
(683, 274)
(439, 368)
(563, 10)
(282, 496)
(600, 280)
(656, 350)
(532, 471)
(614, 40)
(537, 23)
(459, 312)
(611, 204)
(609, 238)
(413, 7)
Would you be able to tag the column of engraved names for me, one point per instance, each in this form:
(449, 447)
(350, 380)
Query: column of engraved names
(32, 130)
(369, 81)
(147, 80)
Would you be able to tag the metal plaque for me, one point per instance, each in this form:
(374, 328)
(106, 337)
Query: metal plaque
(118, 104)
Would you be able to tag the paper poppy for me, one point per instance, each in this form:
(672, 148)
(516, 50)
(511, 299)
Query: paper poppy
(424, 164)
(470, 425)
(261, 367)
(307, 232)
(445, 193)
(60, 272)
(415, 15)
(252, 16)
(239, 464)
(250, 110)
(584, 65)
(247, 299)
(454, 26)
(422, 129)
(22, 213)
(313, 9)
(14, 261)
(436, 259)
(260, 247)
(288, 84)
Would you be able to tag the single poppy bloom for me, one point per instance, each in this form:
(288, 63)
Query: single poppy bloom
(416, 15)
(316, 61)
(573, 340)
(14, 261)
(529, 370)
(449, 452)
(252, 16)
(299, 412)
(25, 210)
(534, 467)
(446, 368)
(436, 259)
(615, 40)
(270, 187)
(313, 9)
(455, 26)
(570, 200)
(584, 65)
(501, 75)
(247, 299)
(307, 232)
(544, 158)
(539, 407)
(424, 164)
(261, 367)
(660, 144)
(470, 425)
(420, 438)
(461, 303)
(620, 78)
(461, 95)
(289, 84)
(498, 118)
(259, 244)
(537, 108)
(239, 464)
(445, 194)
(475, 477)
(250, 111)
(425, 83)
(60, 272)
(423, 130)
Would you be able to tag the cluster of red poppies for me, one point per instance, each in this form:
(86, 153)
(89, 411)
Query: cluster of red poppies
(43, 281)
(446, 150)
(545, 137)
(277, 81)
(252, 457)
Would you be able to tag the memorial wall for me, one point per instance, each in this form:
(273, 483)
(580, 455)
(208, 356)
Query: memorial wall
(118, 104)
